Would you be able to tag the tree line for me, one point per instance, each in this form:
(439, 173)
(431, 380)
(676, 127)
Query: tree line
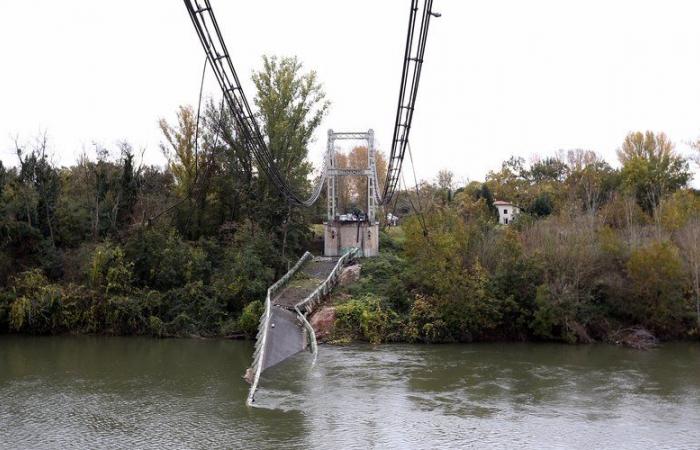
(596, 254)
(110, 245)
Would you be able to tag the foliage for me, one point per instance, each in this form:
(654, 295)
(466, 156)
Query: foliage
(366, 318)
(657, 280)
(250, 317)
(650, 168)
(110, 245)
(596, 250)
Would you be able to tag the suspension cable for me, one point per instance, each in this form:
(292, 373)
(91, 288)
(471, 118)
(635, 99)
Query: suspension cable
(419, 212)
(410, 79)
(196, 130)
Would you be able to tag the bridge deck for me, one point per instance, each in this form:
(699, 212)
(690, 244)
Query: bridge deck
(286, 336)
(305, 281)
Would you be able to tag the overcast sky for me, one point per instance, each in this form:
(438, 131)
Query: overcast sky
(501, 78)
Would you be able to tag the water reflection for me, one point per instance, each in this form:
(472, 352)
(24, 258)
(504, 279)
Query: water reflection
(130, 392)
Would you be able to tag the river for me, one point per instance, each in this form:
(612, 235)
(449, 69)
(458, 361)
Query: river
(102, 392)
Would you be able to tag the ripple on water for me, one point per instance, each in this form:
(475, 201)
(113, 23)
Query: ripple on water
(123, 393)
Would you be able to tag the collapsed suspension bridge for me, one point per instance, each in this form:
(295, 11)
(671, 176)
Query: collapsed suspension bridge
(284, 329)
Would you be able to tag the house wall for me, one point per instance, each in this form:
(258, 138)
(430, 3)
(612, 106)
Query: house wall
(507, 213)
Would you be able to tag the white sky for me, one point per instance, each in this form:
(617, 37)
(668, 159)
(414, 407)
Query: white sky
(501, 77)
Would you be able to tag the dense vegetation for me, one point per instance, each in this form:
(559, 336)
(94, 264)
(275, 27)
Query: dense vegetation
(111, 246)
(596, 252)
(105, 246)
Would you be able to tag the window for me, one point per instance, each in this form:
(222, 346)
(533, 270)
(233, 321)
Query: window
(505, 211)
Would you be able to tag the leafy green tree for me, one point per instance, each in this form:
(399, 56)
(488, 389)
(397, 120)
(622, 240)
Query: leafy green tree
(542, 205)
(511, 182)
(291, 105)
(651, 169)
(37, 174)
(548, 170)
(128, 187)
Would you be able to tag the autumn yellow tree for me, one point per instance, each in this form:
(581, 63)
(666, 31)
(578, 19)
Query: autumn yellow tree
(180, 148)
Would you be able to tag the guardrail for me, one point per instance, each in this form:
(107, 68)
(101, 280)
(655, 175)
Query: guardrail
(310, 302)
(259, 353)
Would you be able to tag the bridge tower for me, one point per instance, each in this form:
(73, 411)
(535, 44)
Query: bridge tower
(343, 231)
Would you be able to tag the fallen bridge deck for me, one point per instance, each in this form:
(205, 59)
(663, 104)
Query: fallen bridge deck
(284, 330)
(304, 282)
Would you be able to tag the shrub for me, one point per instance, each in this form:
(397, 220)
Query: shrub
(250, 318)
(155, 326)
(425, 323)
(366, 319)
(658, 283)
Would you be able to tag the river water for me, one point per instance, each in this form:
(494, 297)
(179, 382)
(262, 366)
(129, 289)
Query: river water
(97, 392)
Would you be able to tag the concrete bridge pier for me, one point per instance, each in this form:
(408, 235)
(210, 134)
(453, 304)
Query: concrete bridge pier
(339, 237)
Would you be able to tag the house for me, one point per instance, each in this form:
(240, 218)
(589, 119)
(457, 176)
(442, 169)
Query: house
(507, 212)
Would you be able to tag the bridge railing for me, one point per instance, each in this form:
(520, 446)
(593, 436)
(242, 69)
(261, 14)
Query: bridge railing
(261, 341)
(304, 307)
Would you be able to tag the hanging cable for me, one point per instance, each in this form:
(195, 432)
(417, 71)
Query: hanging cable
(416, 211)
(196, 130)
(206, 174)
(418, 196)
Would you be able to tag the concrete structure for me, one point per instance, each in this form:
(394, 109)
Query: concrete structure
(339, 237)
(343, 231)
(507, 212)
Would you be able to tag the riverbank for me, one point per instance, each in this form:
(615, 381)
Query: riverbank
(393, 298)
(420, 289)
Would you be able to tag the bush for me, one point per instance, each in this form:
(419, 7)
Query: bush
(384, 276)
(124, 315)
(162, 260)
(425, 323)
(250, 318)
(657, 287)
(366, 319)
(155, 326)
(37, 307)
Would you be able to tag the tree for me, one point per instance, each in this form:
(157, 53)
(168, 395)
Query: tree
(484, 193)
(445, 182)
(193, 165)
(38, 175)
(291, 105)
(657, 285)
(128, 187)
(688, 239)
(548, 170)
(696, 146)
(591, 180)
(511, 182)
(651, 169)
(353, 189)
(542, 205)
(573, 265)
(180, 149)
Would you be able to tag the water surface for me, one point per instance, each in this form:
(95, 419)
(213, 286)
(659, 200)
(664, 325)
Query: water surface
(97, 392)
